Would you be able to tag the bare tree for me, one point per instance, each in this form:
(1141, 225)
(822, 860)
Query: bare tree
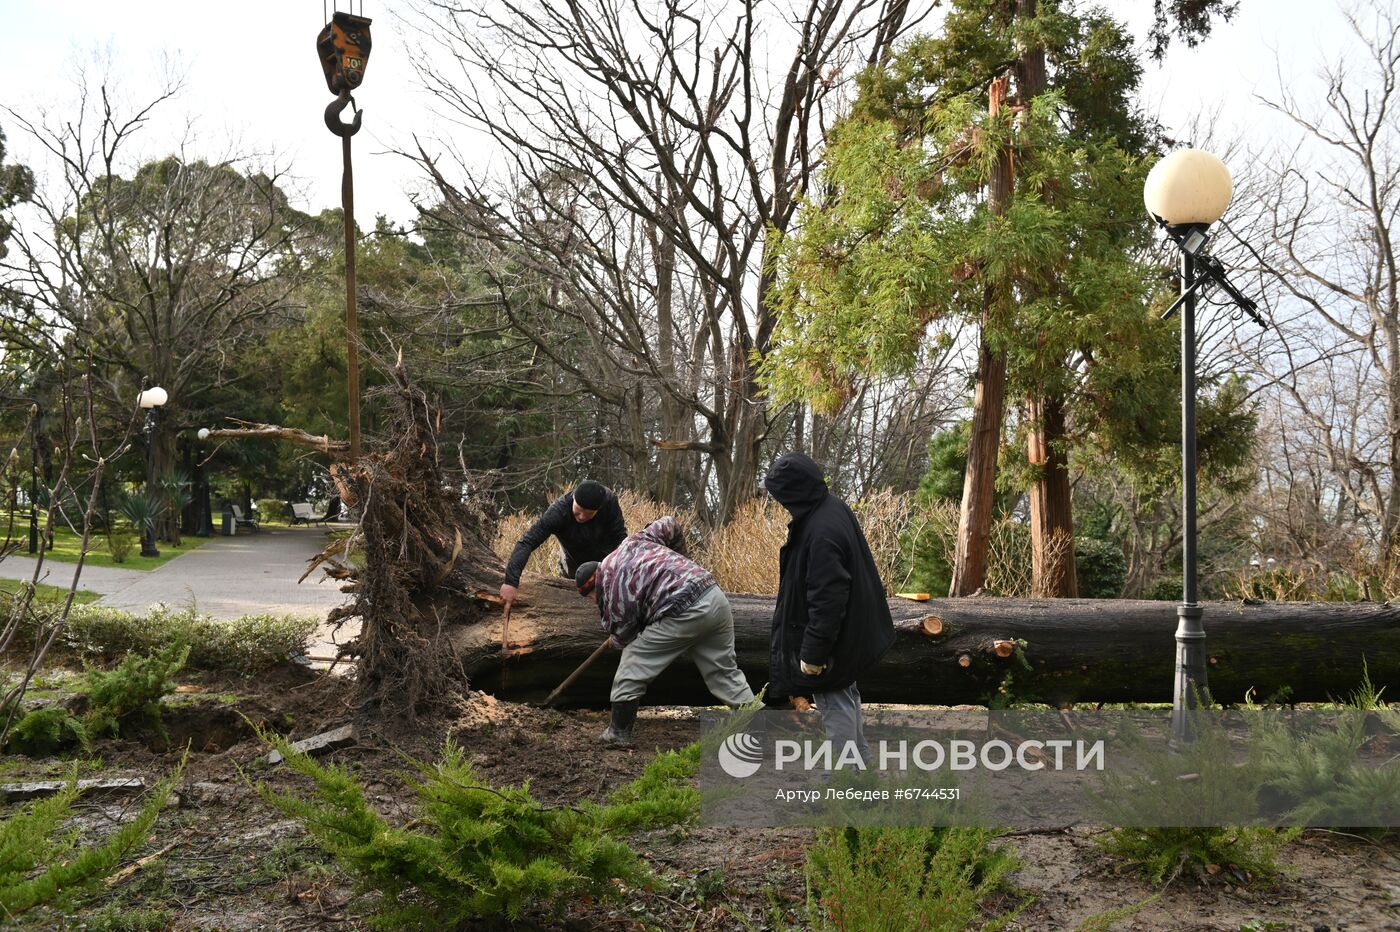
(30, 629)
(1324, 223)
(155, 271)
(651, 153)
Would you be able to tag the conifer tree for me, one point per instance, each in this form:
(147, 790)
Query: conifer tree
(990, 175)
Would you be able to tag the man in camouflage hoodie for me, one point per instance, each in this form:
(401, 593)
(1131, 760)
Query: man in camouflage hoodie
(656, 605)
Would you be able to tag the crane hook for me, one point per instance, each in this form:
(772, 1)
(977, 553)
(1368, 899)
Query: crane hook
(333, 111)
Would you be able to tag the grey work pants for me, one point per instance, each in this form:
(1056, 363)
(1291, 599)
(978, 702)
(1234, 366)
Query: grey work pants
(840, 711)
(706, 631)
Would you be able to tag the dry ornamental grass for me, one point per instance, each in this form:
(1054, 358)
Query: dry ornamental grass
(743, 554)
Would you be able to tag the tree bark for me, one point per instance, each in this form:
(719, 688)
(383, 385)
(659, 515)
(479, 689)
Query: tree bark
(1052, 520)
(949, 651)
(988, 403)
(980, 476)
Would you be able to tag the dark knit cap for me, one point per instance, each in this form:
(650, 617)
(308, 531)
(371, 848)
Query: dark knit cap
(583, 577)
(590, 495)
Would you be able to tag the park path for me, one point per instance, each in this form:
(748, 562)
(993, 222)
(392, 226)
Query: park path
(228, 577)
(99, 579)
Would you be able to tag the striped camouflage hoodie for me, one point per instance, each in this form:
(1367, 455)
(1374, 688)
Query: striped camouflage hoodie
(647, 578)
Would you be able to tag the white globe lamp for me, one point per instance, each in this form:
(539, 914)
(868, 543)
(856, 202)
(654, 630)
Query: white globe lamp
(152, 397)
(1188, 187)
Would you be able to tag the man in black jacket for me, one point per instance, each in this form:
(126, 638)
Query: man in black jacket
(832, 621)
(588, 523)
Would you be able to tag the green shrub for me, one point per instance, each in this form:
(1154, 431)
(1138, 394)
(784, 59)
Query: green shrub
(895, 879)
(1320, 775)
(476, 850)
(1100, 568)
(142, 510)
(1160, 853)
(47, 731)
(665, 794)
(1166, 590)
(244, 645)
(134, 688)
(120, 542)
(176, 491)
(1222, 790)
(38, 863)
(274, 510)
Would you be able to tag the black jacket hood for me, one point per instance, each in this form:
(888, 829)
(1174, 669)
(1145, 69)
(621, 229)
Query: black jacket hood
(796, 482)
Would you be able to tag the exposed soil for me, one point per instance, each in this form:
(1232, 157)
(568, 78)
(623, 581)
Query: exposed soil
(230, 862)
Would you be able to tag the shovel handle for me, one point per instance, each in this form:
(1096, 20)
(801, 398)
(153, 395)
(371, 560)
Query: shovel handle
(592, 658)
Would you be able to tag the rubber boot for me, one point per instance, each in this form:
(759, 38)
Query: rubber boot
(619, 731)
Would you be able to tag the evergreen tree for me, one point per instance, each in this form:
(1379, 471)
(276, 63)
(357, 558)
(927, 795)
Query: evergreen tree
(918, 234)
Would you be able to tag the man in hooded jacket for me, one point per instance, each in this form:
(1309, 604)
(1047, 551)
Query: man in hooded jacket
(832, 621)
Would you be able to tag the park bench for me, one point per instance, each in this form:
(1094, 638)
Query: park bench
(303, 513)
(241, 520)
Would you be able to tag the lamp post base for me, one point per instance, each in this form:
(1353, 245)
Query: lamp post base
(1190, 689)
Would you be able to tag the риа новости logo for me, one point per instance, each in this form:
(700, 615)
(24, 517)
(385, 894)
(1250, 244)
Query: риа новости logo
(741, 755)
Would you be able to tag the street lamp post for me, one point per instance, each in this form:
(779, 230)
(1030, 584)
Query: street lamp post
(1186, 192)
(36, 428)
(151, 400)
(204, 523)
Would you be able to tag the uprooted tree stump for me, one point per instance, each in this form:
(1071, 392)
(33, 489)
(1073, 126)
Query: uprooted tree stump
(427, 565)
(426, 561)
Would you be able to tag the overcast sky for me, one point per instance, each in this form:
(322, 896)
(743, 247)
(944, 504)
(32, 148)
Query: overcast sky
(253, 82)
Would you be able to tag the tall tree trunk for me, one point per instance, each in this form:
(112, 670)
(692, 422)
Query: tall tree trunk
(738, 478)
(988, 405)
(189, 515)
(638, 454)
(1052, 522)
(1389, 561)
(673, 425)
(1052, 519)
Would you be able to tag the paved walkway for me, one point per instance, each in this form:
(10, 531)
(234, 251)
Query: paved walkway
(228, 577)
(99, 579)
(248, 574)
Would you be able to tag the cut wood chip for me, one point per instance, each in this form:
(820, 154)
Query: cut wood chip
(446, 571)
(139, 863)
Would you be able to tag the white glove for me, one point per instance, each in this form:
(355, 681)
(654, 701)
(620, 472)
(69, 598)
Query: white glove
(811, 669)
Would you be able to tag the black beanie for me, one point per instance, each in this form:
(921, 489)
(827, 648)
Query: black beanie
(590, 495)
(583, 577)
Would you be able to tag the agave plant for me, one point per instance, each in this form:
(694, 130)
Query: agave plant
(142, 510)
(176, 492)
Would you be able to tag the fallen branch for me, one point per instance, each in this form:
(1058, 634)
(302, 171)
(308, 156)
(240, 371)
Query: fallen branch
(254, 431)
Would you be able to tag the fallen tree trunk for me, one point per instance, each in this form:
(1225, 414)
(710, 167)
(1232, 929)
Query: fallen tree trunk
(955, 651)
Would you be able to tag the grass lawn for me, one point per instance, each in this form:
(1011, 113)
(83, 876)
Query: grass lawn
(47, 594)
(66, 546)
